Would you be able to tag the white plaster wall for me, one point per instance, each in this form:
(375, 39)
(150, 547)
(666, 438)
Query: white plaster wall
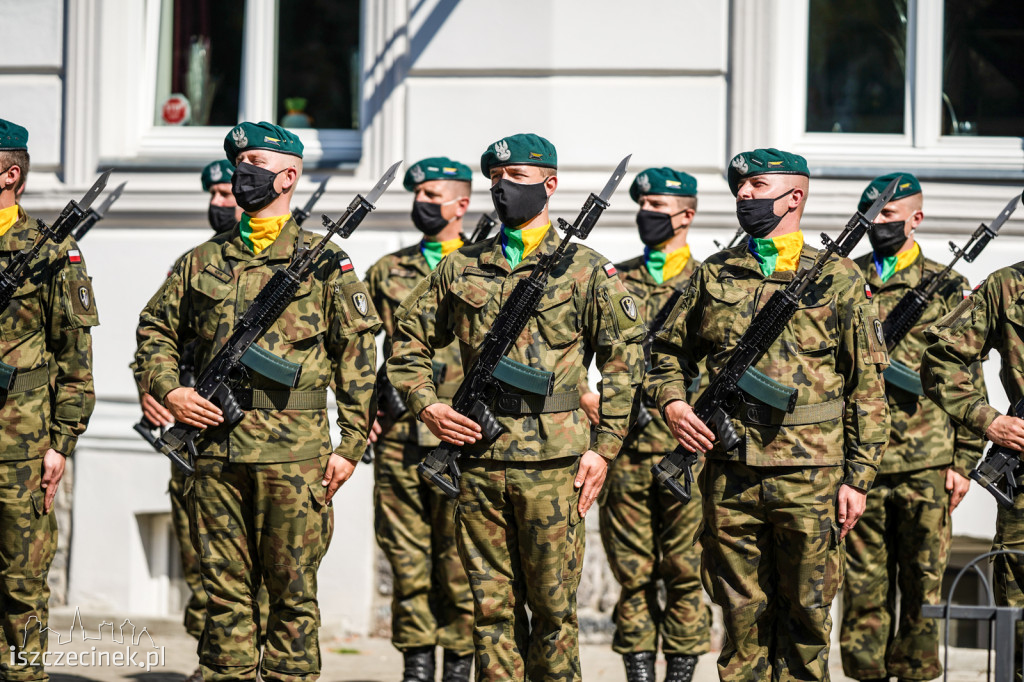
(38, 41)
(35, 101)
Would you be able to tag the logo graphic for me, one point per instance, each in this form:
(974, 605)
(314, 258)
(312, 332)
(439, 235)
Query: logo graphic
(872, 193)
(501, 149)
(272, 140)
(216, 174)
(740, 164)
(629, 307)
(673, 183)
(878, 332)
(83, 296)
(536, 155)
(360, 301)
(238, 135)
(644, 183)
(417, 174)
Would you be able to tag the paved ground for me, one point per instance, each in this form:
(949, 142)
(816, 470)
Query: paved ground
(348, 659)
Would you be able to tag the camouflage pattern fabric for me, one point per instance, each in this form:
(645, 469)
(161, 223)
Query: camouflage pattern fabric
(415, 528)
(992, 318)
(521, 538)
(778, 488)
(47, 321)
(648, 536)
(773, 559)
(901, 542)
(28, 541)
(327, 329)
(258, 523)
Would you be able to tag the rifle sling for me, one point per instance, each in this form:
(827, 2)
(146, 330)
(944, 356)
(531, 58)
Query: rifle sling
(802, 415)
(17, 381)
(518, 404)
(256, 399)
(899, 375)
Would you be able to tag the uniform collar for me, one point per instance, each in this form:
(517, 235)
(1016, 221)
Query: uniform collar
(282, 249)
(909, 277)
(21, 235)
(495, 256)
(643, 276)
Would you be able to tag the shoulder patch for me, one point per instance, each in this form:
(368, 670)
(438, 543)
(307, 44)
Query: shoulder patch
(867, 289)
(361, 302)
(345, 264)
(610, 270)
(628, 307)
(879, 333)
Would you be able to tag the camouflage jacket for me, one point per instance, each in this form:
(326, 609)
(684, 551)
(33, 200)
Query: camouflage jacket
(922, 435)
(991, 318)
(585, 310)
(46, 326)
(328, 329)
(390, 280)
(651, 297)
(831, 352)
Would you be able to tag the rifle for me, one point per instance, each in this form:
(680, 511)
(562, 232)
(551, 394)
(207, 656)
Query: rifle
(908, 311)
(299, 215)
(484, 226)
(732, 242)
(230, 365)
(16, 271)
(643, 417)
(94, 215)
(481, 386)
(996, 471)
(723, 395)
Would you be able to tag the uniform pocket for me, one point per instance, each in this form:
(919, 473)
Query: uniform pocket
(819, 327)
(207, 303)
(557, 316)
(470, 305)
(24, 313)
(722, 311)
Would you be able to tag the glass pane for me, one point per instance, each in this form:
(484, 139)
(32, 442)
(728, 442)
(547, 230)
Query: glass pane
(983, 68)
(318, 64)
(199, 68)
(856, 66)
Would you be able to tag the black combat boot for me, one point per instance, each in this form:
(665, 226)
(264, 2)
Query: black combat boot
(639, 666)
(456, 668)
(680, 667)
(419, 664)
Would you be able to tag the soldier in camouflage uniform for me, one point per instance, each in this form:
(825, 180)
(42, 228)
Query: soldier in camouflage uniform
(523, 496)
(261, 493)
(46, 323)
(903, 539)
(776, 509)
(431, 603)
(647, 534)
(991, 318)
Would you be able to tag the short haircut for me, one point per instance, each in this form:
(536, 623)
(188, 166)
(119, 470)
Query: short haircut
(19, 158)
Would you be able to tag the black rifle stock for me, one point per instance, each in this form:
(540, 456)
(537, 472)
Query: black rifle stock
(484, 227)
(227, 371)
(996, 471)
(721, 398)
(736, 238)
(480, 387)
(299, 215)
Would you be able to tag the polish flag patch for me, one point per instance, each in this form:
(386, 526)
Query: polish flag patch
(346, 264)
(867, 290)
(609, 269)
(75, 256)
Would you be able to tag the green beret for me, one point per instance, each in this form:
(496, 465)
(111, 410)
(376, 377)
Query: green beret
(436, 168)
(262, 135)
(663, 181)
(761, 161)
(524, 149)
(908, 186)
(12, 136)
(217, 172)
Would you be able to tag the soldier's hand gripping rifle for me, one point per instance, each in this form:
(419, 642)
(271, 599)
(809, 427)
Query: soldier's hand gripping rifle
(908, 311)
(229, 367)
(94, 215)
(718, 401)
(16, 271)
(997, 470)
(481, 385)
(736, 239)
(299, 215)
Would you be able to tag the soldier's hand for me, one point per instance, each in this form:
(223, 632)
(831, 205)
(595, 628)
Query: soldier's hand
(188, 407)
(688, 429)
(957, 486)
(450, 426)
(53, 471)
(1007, 431)
(338, 471)
(590, 479)
(591, 404)
(375, 430)
(154, 412)
(851, 506)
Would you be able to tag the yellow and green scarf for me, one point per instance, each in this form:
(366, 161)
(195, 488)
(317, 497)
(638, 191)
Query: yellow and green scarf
(435, 251)
(890, 265)
(259, 233)
(777, 254)
(518, 244)
(664, 266)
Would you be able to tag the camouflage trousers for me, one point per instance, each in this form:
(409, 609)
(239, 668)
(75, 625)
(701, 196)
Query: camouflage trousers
(521, 540)
(415, 527)
(648, 537)
(256, 523)
(773, 561)
(901, 543)
(1008, 570)
(28, 541)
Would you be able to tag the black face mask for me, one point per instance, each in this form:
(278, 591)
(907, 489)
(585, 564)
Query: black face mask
(253, 186)
(222, 218)
(887, 238)
(427, 218)
(518, 204)
(655, 227)
(757, 216)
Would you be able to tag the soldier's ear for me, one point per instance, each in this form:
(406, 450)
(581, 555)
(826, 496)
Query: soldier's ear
(287, 179)
(550, 184)
(461, 206)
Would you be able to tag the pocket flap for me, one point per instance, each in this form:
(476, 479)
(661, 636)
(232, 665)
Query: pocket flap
(470, 292)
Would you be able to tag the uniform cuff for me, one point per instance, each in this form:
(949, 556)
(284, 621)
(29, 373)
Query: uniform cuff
(979, 418)
(859, 476)
(63, 443)
(421, 398)
(163, 385)
(607, 445)
(345, 448)
(964, 462)
(675, 390)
